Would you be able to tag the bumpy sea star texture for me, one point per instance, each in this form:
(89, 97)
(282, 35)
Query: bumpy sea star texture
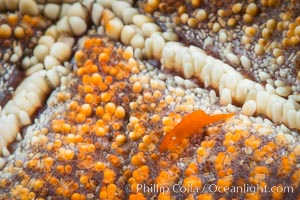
(90, 89)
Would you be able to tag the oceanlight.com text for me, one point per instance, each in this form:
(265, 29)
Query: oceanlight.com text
(212, 188)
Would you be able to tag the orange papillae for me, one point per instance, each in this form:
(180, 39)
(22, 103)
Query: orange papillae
(190, 124)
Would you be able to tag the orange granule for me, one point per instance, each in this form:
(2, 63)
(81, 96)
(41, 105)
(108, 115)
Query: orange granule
(190, 124)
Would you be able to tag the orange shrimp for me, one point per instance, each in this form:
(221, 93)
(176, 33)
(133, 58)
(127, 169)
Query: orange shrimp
(191, 123)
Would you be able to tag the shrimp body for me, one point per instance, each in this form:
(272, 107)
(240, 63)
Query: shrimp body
(190, 124)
